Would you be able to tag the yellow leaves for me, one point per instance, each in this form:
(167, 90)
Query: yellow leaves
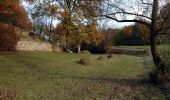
(76, 26)
(94, 35)
(64, 41)
(53, 10)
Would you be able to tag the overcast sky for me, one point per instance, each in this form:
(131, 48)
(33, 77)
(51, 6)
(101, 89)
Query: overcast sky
(114, 24)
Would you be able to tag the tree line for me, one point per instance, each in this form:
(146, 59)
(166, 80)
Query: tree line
(132, 35)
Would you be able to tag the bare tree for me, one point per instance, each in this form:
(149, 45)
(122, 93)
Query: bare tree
(141, 11)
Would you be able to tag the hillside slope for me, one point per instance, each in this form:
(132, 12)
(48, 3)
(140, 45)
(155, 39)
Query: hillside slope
(29, 43)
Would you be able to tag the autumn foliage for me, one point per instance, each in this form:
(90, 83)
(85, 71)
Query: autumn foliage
(8, 38)
(12, 15)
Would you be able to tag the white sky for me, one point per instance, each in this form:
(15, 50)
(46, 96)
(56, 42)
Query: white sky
(114, 24)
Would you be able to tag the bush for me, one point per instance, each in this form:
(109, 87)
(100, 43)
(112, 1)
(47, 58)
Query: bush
(156, 77)
(93, 48)
(153, 76)
(166, 59)
(8, 38)
(167, 65)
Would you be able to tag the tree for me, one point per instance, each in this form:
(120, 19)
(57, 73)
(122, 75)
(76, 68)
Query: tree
(89, 34)
(73, 21)
(120, 10)
(43, 14)
(164, 20)
(76, 28)
(12, 15)
(109, 37)
(163, 36)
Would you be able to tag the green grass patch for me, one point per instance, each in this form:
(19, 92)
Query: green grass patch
(135, 47)
(58, 76)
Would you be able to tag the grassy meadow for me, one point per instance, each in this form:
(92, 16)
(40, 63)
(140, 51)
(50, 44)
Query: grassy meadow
(147, 47)
(58, 76)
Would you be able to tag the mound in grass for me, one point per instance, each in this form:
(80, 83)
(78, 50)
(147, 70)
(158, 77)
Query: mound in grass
(86, 52)
(84, 61)
(110, 56)
(101, 58)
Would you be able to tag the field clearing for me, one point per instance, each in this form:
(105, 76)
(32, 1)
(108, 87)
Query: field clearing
(58, 76)
(146, 47)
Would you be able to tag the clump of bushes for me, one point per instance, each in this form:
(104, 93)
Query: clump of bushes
(153, 76)
(166, 59)
(93, 48)
(158, 78)
(8, 38)
(162, 75)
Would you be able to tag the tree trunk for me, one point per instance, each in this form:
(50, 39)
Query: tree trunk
(79, 49)
(67, 40)
(153, 32)
(155, 55)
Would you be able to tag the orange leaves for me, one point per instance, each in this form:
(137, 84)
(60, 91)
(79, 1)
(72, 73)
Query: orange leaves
(8, 7)
(8, 38)
(11, 12)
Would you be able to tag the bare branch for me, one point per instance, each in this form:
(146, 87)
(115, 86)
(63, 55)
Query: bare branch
(128, 13)
(162, 24)
(126, 20)
(145, 3)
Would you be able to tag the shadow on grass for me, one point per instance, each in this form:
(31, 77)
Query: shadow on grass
(103, 79)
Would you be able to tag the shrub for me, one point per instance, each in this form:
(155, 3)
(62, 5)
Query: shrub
(166, 61)
(166, 58)
(153, 76)
(94, 49)
(156, 77)
(8, 38)
(163, 49)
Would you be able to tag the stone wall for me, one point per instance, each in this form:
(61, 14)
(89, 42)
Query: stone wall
(35, 46)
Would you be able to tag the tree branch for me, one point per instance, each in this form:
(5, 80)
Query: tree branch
(133, 20)
(128, 13)
(146, 3)
(162, 25)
